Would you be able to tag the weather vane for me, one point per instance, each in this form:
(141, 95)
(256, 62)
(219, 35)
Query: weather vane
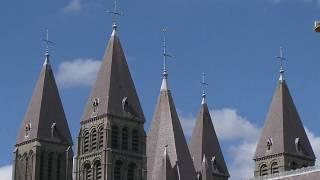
(47, 41)
(165, 54)
(114, 14)
(204, 84)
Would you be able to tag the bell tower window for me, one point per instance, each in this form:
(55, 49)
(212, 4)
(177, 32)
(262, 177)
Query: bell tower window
(263, 170)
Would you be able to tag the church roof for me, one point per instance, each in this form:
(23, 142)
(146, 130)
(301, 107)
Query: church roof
(205, 144)
(114, 90)
(45, 118)
(283, 131)
(165, 131)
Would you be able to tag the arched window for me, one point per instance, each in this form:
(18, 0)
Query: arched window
(263, 170)
(131, 171)
(114, 136)
(117, 170)
(274, 168)
(86, 142)
(50, 158)
(59, 166)
(101, 133)
(97, 171)
(87, 172)
(94, 143)
(135, 140)
(124, 138)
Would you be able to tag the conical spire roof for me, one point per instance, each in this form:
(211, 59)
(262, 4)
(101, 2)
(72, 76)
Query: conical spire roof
(283, 131)
(45, 118)
(166, 130)
(205, 144)
(114, 92)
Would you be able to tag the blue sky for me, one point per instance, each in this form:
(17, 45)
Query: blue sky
(233, 41)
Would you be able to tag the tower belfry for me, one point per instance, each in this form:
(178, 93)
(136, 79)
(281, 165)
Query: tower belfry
(166, 131)
(283, 143)
(205, 147)
(111, 140)
(43, 147)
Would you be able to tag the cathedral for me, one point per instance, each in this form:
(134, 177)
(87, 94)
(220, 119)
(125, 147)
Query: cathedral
(112, 143)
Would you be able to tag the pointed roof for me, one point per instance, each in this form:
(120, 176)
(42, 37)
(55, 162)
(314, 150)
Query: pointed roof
(114, 88)
(205, 144)
(45, 118)
(283, 130)
(166, 130)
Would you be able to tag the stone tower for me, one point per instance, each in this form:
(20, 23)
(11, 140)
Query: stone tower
(166, 135)
(205, 148)
(112, 140)
(44, 144)
(283, 144)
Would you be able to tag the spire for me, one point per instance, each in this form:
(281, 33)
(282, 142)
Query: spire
(47, 42)
(114, 92)
(205, 144)
(282, 59)
(115, 13)
(283, 131)
(164, 85)
(45, 118)
(166, 130)
(204, 84)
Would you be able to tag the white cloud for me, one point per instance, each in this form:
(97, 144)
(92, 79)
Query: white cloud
(78, 72)
(242, 165)
(6, 172)
(73, 6)
(231, 126)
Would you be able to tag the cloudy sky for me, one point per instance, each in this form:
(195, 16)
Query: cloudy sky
(233, 41)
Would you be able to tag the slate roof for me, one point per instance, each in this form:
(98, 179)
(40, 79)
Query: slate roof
(205, 144)
(45, 109)
(284, 128)
(165, 131)
(114, 86)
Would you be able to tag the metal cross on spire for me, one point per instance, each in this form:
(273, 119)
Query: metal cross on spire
(282, 59)
(114, 14)
(165, 54)
(47, 42)
(204, 84)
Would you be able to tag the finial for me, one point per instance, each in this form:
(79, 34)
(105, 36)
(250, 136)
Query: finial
(282, 59)
(164, 85)
(204, 84)
(114, 14)
(47, 42)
